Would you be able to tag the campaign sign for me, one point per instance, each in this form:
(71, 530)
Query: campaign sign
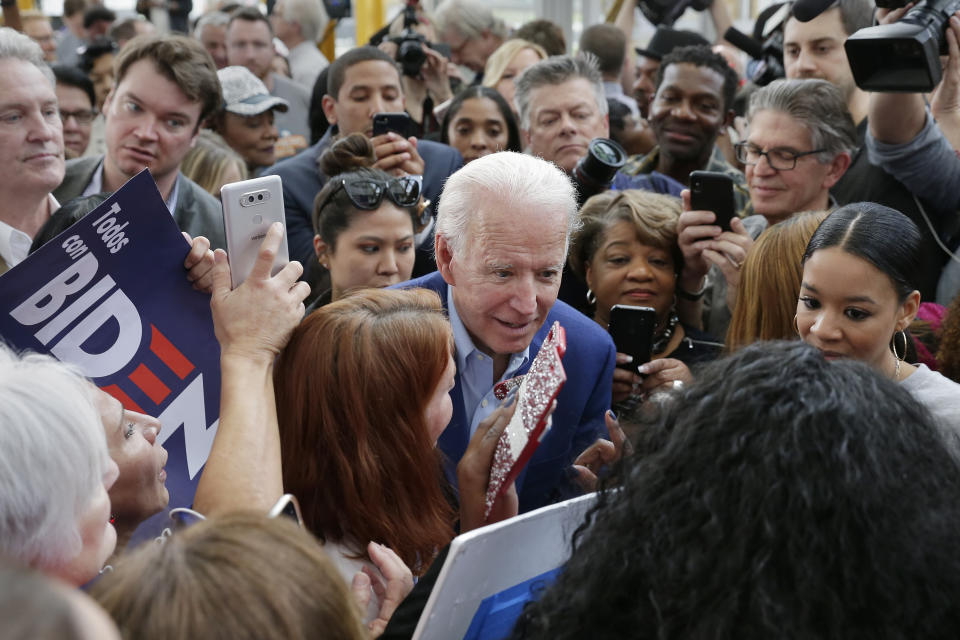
(111, 296)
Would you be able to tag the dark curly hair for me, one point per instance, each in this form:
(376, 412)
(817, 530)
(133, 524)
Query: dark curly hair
(701, 56)
(781, 496)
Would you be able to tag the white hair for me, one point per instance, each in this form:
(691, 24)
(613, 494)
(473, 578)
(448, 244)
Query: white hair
(53, 456)
(514, 181)
(468, 18)
(18, 46)
(311, 15)
(214, 18)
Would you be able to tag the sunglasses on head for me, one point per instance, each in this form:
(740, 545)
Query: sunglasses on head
(367, 193)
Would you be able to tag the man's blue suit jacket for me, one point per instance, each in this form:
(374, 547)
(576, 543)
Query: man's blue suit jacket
(302, 182)
(578, 419)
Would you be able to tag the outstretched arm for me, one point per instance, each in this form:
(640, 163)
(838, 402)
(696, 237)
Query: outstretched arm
(253, 323)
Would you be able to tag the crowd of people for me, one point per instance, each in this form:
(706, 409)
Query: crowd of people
(784, 464)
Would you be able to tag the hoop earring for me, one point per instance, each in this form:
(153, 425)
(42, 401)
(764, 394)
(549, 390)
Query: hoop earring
(591, 298)
(796, 324)
(897, 356)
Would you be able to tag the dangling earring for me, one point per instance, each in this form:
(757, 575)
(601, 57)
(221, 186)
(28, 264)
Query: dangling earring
(897, 356)
(591, 299)
(796, 324)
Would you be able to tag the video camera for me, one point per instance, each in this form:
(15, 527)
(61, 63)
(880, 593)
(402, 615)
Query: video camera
(410, 53)
(904, 56)
(666, 12)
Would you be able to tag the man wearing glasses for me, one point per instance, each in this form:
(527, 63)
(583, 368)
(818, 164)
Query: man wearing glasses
(77, 98)
(799, 145)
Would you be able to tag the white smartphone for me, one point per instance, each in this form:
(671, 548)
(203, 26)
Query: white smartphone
(249, 208)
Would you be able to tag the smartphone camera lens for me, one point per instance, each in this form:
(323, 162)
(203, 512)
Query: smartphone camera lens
(259, 196)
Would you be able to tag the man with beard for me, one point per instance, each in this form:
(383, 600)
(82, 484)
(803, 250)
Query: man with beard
(692, 106)
(815, 49)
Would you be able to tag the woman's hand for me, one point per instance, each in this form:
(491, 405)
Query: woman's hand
(473, 473)
(399, 583)
(601, 453)
(625, 381)
(727, 252)
(662, 374)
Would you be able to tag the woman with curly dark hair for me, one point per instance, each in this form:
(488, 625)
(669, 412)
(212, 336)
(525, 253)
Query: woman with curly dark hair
(781, 496)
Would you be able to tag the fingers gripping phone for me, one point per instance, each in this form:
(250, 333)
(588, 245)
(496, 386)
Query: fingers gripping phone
(632, 331)
(400, 123)
(249, 208)
(713, 191)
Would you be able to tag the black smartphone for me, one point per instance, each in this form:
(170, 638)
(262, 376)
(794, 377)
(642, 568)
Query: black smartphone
(713, 191)
(632, 331)
(400, 123)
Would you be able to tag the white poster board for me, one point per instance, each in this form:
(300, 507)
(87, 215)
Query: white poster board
(491, 559)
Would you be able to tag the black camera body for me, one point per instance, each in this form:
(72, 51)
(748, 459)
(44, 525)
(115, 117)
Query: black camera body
(666, 12)
(904, 56)
(410, 53)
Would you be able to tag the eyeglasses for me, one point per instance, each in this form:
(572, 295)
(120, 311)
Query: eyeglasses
(779, 159)
(83, 116)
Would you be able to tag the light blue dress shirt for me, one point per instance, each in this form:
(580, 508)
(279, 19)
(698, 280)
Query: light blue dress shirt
(475, 370)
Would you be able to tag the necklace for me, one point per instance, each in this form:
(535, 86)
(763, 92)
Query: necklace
(663, 337)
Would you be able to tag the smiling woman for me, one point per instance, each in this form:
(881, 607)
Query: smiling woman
(859, 294)
(627, 251)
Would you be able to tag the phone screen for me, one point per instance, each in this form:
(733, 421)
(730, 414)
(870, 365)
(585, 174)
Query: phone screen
(632, 331)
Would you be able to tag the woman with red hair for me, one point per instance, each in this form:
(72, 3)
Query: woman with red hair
(362, 396)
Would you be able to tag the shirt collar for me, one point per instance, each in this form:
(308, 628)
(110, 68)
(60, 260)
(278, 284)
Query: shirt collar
(95, 186)
(15, 244)
(465, 347)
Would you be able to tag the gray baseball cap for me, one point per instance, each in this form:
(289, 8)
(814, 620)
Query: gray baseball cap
(245, 95)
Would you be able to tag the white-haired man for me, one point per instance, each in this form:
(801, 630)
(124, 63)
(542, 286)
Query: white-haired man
(471, 30)
(503, 228)
(31, 145)
(300, 24)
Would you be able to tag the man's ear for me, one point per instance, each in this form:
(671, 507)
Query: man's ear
(728, 120)
(837, 167)
(444, 255)
(329, 108)
(107, 102)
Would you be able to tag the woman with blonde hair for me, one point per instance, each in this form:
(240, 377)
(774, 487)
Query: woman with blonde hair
(237, 576)
(211, 163)
(507, 62)
(770, 282)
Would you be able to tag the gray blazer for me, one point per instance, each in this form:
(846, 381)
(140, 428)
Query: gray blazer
(197, 212)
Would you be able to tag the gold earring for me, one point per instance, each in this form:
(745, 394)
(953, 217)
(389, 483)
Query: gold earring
(796, 324)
